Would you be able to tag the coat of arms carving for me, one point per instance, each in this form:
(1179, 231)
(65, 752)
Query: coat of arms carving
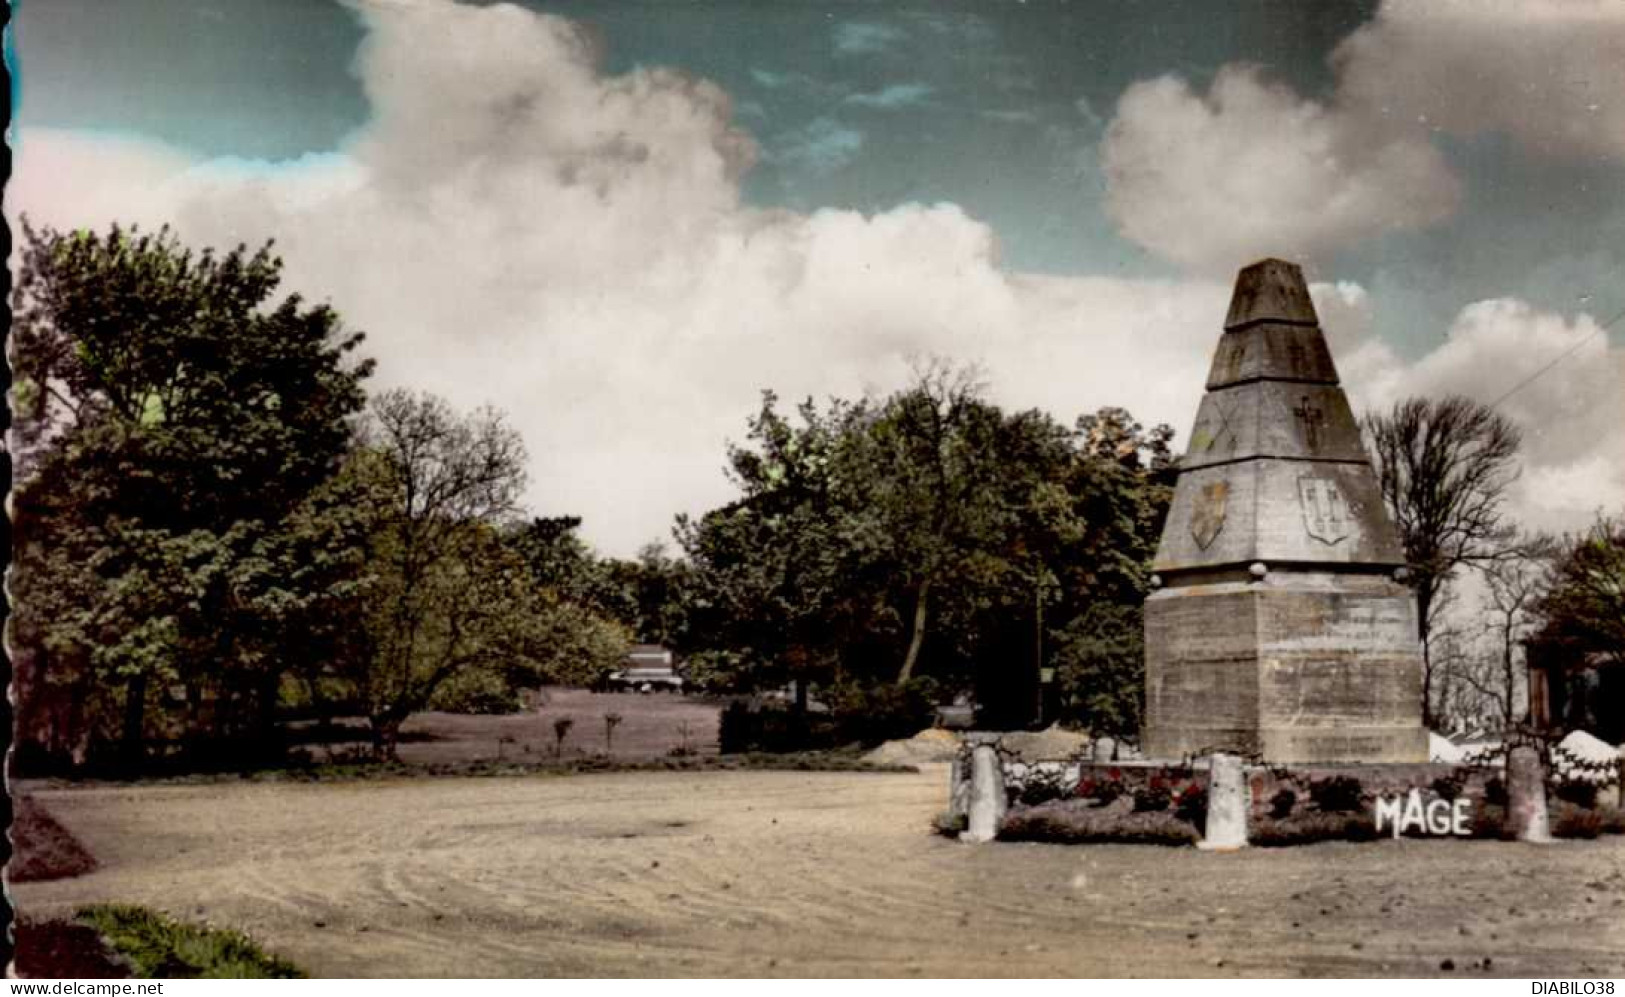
(1207, 512)
(1325, 510)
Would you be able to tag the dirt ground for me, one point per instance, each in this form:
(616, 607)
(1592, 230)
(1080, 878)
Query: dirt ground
(801, 874)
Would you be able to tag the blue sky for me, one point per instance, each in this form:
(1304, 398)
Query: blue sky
(1118, 159)
(998, 108)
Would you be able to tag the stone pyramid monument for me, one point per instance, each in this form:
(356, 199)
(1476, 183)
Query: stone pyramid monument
(1280, 626)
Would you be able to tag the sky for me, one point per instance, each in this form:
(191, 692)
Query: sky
(619, 222)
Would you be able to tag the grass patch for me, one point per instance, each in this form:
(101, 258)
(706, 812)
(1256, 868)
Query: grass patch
(839, 760)
(157, 947)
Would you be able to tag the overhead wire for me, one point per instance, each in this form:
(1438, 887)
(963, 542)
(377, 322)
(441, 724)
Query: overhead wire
(1557, 359)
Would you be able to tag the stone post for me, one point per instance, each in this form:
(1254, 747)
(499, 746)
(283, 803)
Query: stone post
(1226, 828)
(987, 802)
(1526, 795)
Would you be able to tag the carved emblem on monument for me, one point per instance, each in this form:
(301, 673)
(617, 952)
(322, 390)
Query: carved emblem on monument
(1207, 512)
(1325, 511)
(1311, 418)
(1232, 350)
(1212, 434)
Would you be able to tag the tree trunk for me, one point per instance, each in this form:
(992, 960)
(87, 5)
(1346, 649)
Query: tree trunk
(135, 713)
(1510, 677)
(917, 637)
(1424, 601)
(386, 736)
(269, 691)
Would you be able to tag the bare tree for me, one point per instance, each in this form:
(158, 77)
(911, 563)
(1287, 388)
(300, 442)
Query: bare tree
(1455, 700)
(1444, 467)
(1515, 584)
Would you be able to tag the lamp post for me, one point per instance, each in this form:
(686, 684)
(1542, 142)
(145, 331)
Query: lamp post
(1042, 676)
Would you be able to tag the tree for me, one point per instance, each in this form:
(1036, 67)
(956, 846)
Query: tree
(449, 596)
(945, 480)
(1515, 584)
(1026, 540)
(1118, 485)
(1584, 605)
(1443, 467)
(172, 420)
(771, 571)
(1582, 627)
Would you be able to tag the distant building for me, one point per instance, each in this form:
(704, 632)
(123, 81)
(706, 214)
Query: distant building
(646, 668)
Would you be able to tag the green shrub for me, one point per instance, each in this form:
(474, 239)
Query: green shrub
(1576, 821)
(1306, 828)
(886, 712)
(1282, 802)
(1613, 820)
(1040, 787)
(773, 727)
(1448, 787)
(1579, 793)
(476, 692)
(1075, 822)
(160, 948)
(1103, 791)
(1490, 822)
(1191, 805)
(1336, 794)
(857, 714)
(949, 824)
(1153, 796)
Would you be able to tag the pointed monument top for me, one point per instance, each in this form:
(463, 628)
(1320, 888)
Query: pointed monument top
(1270, 291)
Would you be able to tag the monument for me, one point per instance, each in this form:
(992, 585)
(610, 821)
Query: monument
(1280, 626)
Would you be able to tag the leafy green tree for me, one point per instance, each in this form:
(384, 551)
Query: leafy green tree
(559, 559)
(944, 477)
(932, 533)
(173, 418)
(1584, 604)
(773, 574)
(1118, 484)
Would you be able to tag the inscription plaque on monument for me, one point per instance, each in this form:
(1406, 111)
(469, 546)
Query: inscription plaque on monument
(1279, 630)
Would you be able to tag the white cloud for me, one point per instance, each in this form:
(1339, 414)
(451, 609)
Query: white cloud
(1252, 168)
(821, 146)
(514, 226)
(894, 97)
(1549, 73)
(865, 38)
(1571, 412)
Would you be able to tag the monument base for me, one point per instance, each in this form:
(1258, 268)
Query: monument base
(1299, 667)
